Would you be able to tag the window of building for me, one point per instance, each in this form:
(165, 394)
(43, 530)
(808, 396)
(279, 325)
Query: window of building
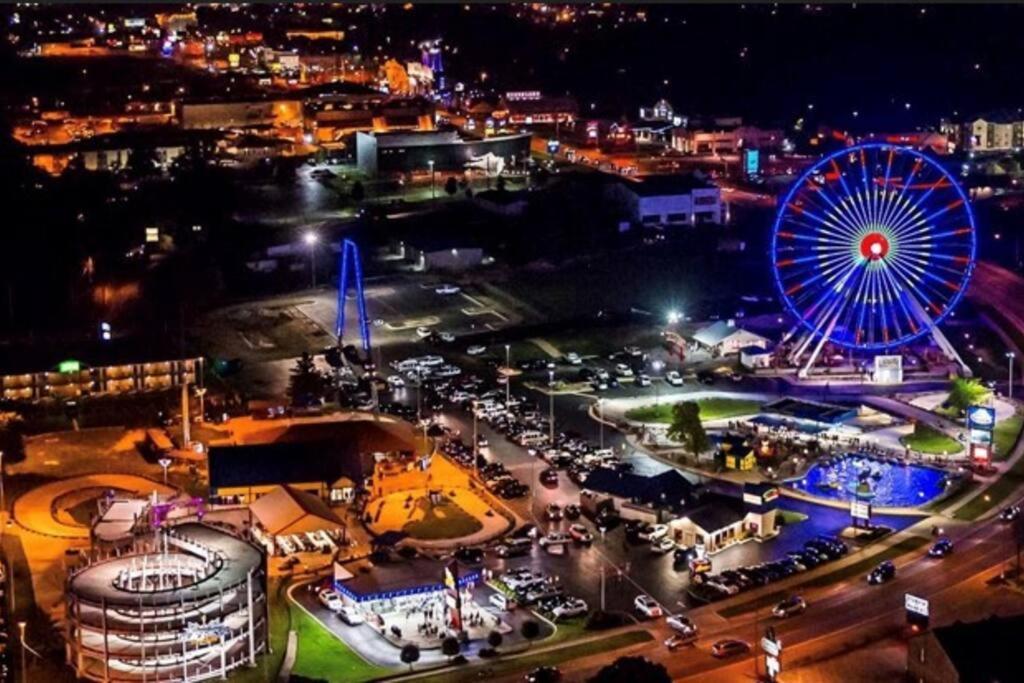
(677, 218)
(650, 219)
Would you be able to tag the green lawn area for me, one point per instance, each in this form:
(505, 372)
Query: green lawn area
(505, 667)
(788, 517)
(441, 521)
(1005, 435)
(862, 567)
(994, 494)
(926, 439)
(322, 656)
(710, 409)
(268, 665)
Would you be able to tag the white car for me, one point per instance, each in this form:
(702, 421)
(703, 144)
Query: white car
(573, 358)
(555, 538)
(657, 533)
(570, 608)
(447, 289)
(674, 378)
(643, 380)
(623, 370)
(423, 332)
(681, 624)
(476, 350)
(580, 534)
(446, 337)
(395, 382)
(663, 545)
(647, 606)
(330, 599)
(350, 616)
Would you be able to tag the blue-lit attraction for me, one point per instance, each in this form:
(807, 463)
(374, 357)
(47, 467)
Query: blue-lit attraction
(880, 481)
(350, 266)
(873, 247)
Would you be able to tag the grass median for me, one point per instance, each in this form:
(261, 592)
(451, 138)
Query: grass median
(995, 494)
(907, 545)
(1006, 434)
(505, 667)
(710, 409)
(929, 440)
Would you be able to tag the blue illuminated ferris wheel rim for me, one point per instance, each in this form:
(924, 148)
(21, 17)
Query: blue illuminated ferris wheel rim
(876, 266)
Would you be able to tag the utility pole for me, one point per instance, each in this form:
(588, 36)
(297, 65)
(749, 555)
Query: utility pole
(600, 408)
(551, 407)
(1009, 387)
(508, 377)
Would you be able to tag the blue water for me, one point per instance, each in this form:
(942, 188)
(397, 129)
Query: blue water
(797, 425)
(891, 484)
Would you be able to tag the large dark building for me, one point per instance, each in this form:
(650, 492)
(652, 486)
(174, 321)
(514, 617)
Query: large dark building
(386, 153)
(965, 653)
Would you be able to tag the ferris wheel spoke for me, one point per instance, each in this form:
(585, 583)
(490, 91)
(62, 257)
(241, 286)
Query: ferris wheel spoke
(843, 217)
(847, 195)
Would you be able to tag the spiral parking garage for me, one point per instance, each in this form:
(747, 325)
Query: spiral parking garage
(191, 606)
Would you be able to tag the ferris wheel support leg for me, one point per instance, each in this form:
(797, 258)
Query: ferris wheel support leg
(947, 348)
(806, 370)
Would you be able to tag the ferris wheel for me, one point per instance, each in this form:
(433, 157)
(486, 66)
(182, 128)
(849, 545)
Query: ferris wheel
(872, 248)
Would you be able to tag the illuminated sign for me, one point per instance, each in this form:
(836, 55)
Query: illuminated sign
(67, 366)
(981, 417)
(751, 161)
(523, 95)
(916, 605)
(553, 146)
(152, 235)
(860, 510)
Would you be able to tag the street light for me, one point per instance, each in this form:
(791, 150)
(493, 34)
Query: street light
(1010, 355)
(508, 377)
(551, 407)
(311, 238)
(164, 463)
(21, 629)
(433, 194)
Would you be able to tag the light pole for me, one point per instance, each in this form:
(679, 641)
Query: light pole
(600, 410)
(201, 392)
(476, 442)
(1009, 386)
(311, 238)
(164, 463)
(657, 367)
(433, 194)
(551, 407)
(508, 377)
(21, 630)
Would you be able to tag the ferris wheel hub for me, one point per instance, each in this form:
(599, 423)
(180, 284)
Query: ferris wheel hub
(874, 246)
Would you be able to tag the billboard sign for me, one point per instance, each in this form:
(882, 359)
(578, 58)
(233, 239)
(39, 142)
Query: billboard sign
(888, 370)
(917, 610)
(860, 510)
(982, 418)
(751, 161)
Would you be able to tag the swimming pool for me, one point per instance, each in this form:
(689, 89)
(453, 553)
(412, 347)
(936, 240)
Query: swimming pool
(875, 480)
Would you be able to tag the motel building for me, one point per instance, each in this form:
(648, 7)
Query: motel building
(720, 521)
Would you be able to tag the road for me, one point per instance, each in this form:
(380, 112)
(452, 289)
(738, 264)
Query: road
(845, 614)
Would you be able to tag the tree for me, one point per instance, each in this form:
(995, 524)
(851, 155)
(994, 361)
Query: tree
(965, 393)
(451, 186)
(686, 427)
(529, 630)
(450, 647)
(410, 655)
(358, 192)
(12, 443)
(141, 162)
(306, 385)
(632, 669)
(495, 639)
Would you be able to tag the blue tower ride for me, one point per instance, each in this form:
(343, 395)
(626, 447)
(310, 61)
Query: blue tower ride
(350, 267)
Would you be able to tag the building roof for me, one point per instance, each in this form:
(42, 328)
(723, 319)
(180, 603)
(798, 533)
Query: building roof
(828, 413)
(663, 185)
(717, 332)
(668, 488)
(287, 510)
(372, 581)
(753, 350)
(47, 355)
(716, 511)
(970, 648)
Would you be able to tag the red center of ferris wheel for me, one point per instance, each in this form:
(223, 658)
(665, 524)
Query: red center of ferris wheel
(874, 246)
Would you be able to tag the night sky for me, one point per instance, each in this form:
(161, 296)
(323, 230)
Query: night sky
(873, 59)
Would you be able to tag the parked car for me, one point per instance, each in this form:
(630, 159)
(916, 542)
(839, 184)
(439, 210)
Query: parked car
(674, 378)
(549, 477)
(643, 380)
(476, 350)
(544, 674)
(729, 647)
(681, 624)
(447, 289)
(663, 545)
(647, 606)
(677, 640)
(469, 555)
(789, 607)
(553, 512)
(350, 616)
(555, 538)
(580, 534)
(572, 607)
(395, 382)
(423, 332)
(572, 511)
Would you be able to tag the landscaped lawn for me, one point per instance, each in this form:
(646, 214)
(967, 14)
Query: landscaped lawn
(994, 494)
(268, 665)
(710, 409)
(441, 521)
(926, 439)
(504, 667)
(321, 655)
(1005, 435)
